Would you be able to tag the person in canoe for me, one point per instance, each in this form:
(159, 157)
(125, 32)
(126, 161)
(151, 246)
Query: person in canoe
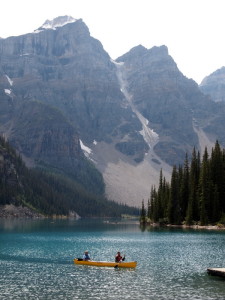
(86, 256)
(119, 258)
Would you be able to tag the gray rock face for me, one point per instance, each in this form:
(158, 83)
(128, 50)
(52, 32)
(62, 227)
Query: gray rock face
(44, 135)
(167, 99)
(214, 85)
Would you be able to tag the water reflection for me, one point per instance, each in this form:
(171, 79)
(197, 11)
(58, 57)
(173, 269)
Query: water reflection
(30, 225)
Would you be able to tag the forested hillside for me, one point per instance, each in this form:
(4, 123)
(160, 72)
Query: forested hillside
(49, 193)
(195, 194)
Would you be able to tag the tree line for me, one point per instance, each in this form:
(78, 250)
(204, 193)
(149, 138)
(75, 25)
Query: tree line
(194, 195)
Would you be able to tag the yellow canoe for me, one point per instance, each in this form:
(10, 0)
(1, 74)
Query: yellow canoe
(128, 264)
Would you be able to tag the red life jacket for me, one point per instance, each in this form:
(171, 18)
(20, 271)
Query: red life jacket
(118, 258)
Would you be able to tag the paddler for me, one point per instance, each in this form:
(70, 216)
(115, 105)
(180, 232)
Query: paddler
(86, 256)
(119, 258)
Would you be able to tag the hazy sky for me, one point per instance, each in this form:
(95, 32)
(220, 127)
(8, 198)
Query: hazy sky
(193, 30)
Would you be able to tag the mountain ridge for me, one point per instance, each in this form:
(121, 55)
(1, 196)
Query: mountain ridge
(213, 85)
(137, 114)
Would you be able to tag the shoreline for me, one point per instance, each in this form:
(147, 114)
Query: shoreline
(10, 211)
(208, 227)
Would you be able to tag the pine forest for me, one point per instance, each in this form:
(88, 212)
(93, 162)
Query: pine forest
(194, 195)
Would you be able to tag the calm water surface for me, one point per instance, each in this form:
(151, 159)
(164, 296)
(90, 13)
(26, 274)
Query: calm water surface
(36, 261)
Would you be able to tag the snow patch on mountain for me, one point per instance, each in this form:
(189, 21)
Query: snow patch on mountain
(10, 81)
(150, 137)
(57, 22)
(87, 151)
(8, 92)
(25, 54)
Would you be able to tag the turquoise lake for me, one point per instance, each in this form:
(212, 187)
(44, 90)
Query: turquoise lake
(36, 261)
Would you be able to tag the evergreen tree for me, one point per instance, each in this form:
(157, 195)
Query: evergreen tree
(154, 205)
(218, 174)
(160, 196)
(149, 209)
(189, 215)
(143, 213)
(193, 204)
(204, 190)
(184, 190)
(166, 197)
(151, 206)
(174, 205)
(216, 213)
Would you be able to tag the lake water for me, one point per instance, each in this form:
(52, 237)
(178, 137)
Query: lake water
(36, 261)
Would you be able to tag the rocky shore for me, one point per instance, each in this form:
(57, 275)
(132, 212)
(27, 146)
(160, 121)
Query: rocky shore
(22, 212)
(12, 211)
(208, 227)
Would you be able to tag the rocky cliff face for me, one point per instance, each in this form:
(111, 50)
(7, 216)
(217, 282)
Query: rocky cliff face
(44, 134)
(136, 115)
(70, 70)
(167, 99)
(214, 85)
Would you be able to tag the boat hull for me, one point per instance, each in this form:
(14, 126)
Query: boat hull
(129, 264)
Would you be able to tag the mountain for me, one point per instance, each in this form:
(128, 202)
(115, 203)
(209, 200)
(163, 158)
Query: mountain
(173, 105)
(67, 106)
(214, 85)
(68, 69)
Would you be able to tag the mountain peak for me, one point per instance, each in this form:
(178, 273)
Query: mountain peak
(57, 22)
